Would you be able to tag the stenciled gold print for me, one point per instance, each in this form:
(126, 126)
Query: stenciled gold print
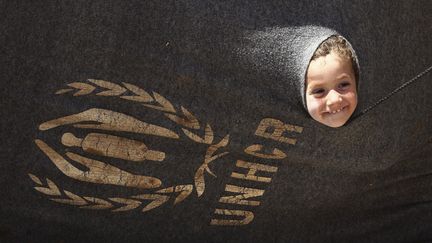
(248, 197)
(95, 133)
(106, 145)
(113, 146)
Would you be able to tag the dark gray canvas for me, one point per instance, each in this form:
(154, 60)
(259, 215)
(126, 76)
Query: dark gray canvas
(368, 181)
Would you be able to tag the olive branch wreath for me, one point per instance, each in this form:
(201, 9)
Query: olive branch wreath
(184, 118)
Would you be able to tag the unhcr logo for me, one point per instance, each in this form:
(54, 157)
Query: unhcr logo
(258, 172)
(90, 140)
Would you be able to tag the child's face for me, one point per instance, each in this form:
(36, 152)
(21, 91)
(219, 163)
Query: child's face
(331, 94)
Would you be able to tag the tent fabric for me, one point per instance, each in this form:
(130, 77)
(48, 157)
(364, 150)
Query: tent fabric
(182, 121)
(283, 54)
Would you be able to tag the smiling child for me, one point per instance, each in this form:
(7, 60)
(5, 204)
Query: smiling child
(331, 82)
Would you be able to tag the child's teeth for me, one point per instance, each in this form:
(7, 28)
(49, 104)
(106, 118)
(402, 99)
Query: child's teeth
(336, 111)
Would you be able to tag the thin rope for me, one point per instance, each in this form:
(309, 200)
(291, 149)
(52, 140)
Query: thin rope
(404, 85)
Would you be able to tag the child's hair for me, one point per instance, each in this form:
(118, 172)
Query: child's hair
(340, 46)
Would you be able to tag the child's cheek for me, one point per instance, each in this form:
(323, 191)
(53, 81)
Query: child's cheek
(313, 107)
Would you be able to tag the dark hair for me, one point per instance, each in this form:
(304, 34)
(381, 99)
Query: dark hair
(340, 46)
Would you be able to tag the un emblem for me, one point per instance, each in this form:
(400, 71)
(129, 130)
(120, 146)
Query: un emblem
(98, 138)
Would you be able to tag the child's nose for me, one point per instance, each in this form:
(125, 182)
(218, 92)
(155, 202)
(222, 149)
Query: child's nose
(333, 97)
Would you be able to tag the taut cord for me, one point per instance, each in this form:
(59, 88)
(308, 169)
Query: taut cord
(404, 85)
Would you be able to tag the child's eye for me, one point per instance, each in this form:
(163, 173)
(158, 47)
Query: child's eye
(344, 85)
(318, 92)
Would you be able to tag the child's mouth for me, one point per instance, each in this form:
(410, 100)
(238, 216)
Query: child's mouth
(337, 111)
